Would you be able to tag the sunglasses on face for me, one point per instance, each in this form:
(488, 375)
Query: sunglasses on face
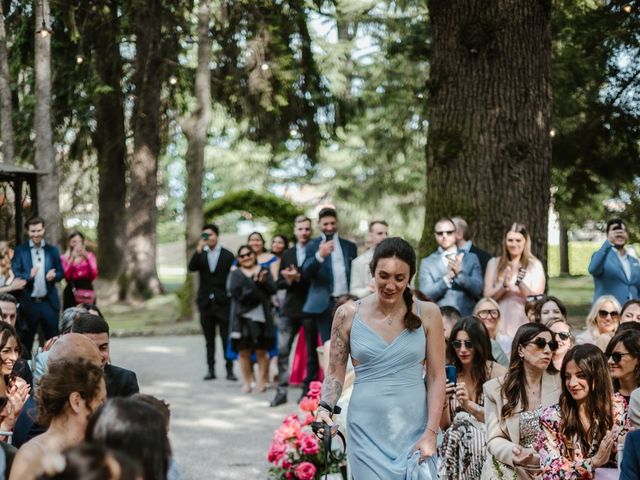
(562, 335)
(457, 344)
(615, 356)
(484, 314)
(534, 298)
(604, 314)
(541, 343)
(245, 255)
(442, 233)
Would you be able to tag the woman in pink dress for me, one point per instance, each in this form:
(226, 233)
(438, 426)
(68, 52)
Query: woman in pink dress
(513, 277)
(80, 270)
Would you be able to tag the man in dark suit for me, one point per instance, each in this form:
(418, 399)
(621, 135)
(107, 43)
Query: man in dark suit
(630, 467)
(466, 245)
(120, 382)
(292, 318)
(327, 266)
(39, 264)
(212, 262)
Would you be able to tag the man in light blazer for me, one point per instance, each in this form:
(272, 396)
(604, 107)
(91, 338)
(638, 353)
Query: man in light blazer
(449, 276)
(614, 271)
(360, 272)
(327, 267)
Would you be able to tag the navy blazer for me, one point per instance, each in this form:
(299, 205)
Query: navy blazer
(609, 277)
(320, 274)
(21, 266)
(466, 287)
(630, 467)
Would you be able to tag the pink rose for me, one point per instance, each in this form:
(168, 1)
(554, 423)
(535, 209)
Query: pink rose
(315, 389)
(276, 451)
(290, 428)
(308, 444)
(308, 420)
(305, 471)
(309, 404)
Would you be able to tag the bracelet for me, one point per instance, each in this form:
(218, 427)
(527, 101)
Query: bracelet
(432, 431)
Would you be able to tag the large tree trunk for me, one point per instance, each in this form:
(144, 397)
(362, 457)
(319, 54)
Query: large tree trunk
(48, 195)
(195, 128)
(110, 139)
(6, 110)
(488, 145)
(142, 220)
(564, 248)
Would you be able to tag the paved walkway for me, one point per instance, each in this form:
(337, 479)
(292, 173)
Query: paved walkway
(216, 431)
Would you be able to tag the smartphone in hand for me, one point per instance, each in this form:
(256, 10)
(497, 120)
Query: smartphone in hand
(451, 372)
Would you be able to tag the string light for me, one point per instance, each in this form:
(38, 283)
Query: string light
(43, 31)
(627, 8)
(79, 59)
(173, 80)
(264, 66)
(553, 132)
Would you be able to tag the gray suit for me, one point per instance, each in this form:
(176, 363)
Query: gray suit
(465, 289)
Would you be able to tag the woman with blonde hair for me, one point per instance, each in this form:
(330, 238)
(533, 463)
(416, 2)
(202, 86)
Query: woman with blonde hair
(513, 277)
(487, 311)
(602, 321)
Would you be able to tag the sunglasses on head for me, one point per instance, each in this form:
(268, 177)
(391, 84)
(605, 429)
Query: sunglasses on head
(445, 232)
(541, 343)
(604, 314)
(534, 298)
(457, 344)
(245, 255)
(493, 313)
(562, 335)
(615, 356)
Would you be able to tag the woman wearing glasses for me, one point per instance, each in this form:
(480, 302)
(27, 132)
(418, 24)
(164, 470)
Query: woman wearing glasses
(251, 318)
(513, 277)
(580, 433)
(488, 311)
(513, 404)
(561, 334)
(601, 323)
(463, 448)
(623, 360)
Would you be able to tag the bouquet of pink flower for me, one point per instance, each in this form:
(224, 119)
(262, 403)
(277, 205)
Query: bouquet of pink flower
(295, 451)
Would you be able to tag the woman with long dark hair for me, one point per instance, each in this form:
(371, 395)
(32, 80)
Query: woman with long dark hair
(80, 270)
(580, 433)
(623, 360)
(463, 449)
(13, 390)
(392, 420)
(514, 402)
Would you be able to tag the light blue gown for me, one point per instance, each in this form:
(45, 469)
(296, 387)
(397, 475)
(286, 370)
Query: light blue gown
(388, 408)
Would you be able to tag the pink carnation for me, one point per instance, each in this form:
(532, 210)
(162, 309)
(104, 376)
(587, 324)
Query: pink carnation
(276, 451)
(308, 444)
(305, 471)
(315, 389)
(308, 420)
(290, 428)
(309, 404)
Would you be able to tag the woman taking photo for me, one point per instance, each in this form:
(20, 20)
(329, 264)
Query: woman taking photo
(562, 334)
(251, 317)
(463, 448)
(488, 312)
(513, 277)
(580, 433)
(602, 322)
(513, 404)
(80, 270)
(388, 335)
(623, 360)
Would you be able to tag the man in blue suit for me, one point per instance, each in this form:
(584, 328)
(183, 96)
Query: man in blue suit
(39, 264)
(614, 271)
(451, 277)
(630, 467)
(327, 266)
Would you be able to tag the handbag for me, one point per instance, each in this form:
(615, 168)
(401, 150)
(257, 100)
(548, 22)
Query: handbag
(83, 295)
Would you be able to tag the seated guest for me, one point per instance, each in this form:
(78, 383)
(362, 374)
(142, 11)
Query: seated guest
(13, 390)
(580, 433)
(135, 428)
(487, 311)
(530, 307)
(463, 448)
(8, 313)
(602, 322)
(630, 467)
(514, 402)
(120, 381)
(450, 316)
(623, 360)
(549, 308)
(562, 334)
(67, 395)
(630, 311)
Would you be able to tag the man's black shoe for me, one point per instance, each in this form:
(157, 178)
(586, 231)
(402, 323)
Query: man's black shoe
(210, 376)
(279, 399)
(231, 376)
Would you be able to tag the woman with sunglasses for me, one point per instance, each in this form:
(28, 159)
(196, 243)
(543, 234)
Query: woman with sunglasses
(513, 277)
(630, 311)
(513, 404)
(562, 334)
(623, 360)
(580, 433)
(602, 322)
(463, 448)
(488, 312)
(251, 324)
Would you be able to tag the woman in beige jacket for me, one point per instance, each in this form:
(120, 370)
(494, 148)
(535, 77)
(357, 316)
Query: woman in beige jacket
(513, 404)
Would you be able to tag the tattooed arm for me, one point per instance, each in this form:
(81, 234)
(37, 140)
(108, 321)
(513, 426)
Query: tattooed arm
(338, 357)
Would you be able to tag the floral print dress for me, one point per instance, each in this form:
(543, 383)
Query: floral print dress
(555, 459)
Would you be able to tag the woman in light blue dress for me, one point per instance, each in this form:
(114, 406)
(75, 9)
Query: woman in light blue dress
(393, 420)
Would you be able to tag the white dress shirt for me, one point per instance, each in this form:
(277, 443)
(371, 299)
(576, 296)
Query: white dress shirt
(37, 260)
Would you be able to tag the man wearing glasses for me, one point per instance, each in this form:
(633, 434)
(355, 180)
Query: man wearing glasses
(449, 276)
(614, 271)
(39, 264)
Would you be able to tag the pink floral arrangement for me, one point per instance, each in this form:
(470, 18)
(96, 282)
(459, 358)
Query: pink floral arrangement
(295, 451)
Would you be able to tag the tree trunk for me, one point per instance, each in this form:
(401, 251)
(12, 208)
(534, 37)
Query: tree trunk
(6, 110)
(109, 138)
(488, 147)
(48, 195)
(195, 128)
(142, 275)
(564, 248)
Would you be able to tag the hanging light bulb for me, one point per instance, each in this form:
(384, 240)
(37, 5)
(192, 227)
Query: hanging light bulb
(43, 31)
(173, 80)
(79, 59)
(264, 66)
(627, 8)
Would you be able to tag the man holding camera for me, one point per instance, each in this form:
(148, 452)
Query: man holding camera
(213, 263)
